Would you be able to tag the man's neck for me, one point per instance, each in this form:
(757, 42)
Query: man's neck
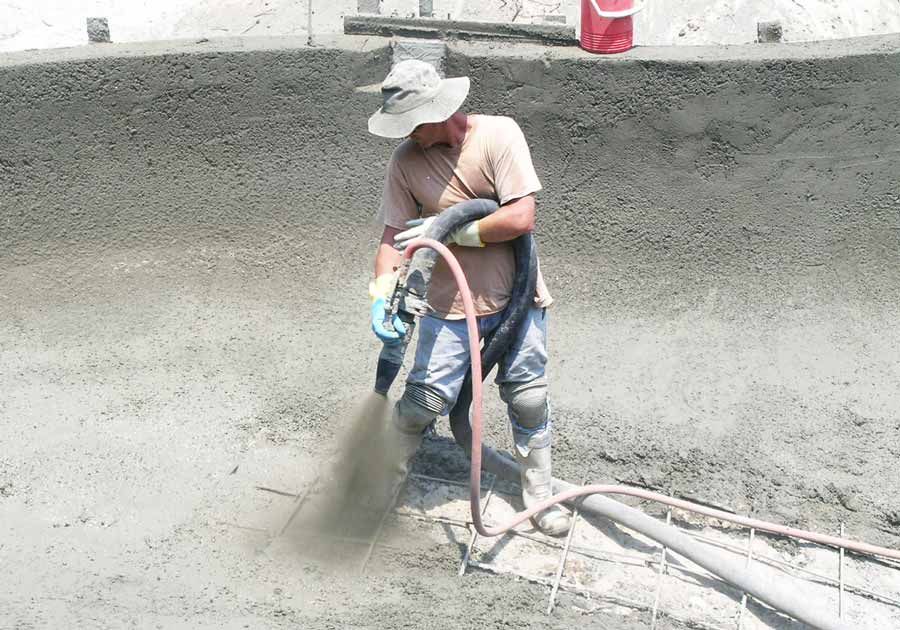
(457, 128)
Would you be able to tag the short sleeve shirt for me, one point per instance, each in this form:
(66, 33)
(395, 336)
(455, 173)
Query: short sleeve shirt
(493, 162)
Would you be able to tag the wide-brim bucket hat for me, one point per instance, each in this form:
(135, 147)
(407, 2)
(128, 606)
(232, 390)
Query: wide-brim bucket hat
(413, 94)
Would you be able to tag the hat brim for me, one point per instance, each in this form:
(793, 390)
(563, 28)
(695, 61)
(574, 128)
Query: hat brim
(446, 102)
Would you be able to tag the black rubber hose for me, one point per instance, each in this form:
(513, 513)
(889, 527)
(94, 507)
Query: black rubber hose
(521, 299)
(505, 336)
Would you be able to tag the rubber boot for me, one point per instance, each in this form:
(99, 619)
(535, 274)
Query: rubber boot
(537, 482)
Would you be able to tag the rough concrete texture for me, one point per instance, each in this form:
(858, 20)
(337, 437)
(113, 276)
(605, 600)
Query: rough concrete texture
(98, 30)
(769, 32)
(186, 241)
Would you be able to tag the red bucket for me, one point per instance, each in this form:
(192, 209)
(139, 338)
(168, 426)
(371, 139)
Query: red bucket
(606, 25)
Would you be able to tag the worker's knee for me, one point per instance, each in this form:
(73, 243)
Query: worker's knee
(529, 414)
(527, 403)
(417, 408)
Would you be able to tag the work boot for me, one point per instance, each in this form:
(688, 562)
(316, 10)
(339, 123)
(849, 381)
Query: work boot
(536, 478)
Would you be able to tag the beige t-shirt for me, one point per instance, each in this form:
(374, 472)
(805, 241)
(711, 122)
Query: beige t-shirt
(493, 162)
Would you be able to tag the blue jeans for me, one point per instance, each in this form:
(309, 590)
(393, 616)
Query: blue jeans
(442, 356)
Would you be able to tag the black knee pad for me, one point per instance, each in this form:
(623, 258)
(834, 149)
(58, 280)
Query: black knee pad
(417, 408)
(527, 402)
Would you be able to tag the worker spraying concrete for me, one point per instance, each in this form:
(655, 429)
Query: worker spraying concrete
(467, 181)
(449, 157)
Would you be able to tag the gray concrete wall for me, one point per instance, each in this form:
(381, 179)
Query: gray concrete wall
(749, 165)
(757, 166)
(719, 226)
(166, 148)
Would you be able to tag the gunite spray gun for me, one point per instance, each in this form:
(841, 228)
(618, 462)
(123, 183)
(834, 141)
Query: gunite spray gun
(408, 301)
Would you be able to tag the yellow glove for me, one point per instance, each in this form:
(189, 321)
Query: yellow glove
(383, 286)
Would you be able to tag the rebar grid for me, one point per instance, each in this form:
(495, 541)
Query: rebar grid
(659, 579)
(592, 594)
(740, 624)
(813, 576)
(562, 559)
(622, 558)
(841, 579)
(380, 528)
(474, 537)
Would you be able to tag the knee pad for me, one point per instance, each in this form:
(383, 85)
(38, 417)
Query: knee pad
(417, 408)
(527, 403)
(529, 414)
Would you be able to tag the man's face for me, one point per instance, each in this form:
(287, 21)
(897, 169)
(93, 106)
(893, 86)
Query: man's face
(427, 135)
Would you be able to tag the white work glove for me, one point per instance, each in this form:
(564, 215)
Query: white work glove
(466, 235)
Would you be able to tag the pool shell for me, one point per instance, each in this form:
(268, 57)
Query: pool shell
(187, 234)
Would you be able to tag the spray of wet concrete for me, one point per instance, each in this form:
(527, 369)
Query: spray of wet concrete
(185, 245)
(359, 480)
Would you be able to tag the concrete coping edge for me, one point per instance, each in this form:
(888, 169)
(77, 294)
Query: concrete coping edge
(872, 45)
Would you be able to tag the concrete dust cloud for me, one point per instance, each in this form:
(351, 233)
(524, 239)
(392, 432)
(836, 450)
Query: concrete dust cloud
(357, 480)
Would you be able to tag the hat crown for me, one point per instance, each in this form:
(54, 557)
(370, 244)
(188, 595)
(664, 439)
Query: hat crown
(409, 84)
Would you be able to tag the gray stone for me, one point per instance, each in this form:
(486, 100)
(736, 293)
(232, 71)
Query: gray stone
(98, 30)
(768, 32)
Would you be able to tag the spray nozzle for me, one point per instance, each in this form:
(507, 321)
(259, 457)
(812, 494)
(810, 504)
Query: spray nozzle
(393, 304)
(407, 300)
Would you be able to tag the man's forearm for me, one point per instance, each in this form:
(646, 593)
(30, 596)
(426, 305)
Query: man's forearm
(387, 258)
(510, 221)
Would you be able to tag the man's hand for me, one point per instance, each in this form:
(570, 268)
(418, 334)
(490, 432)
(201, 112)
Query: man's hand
(380, 290)
(467, 235)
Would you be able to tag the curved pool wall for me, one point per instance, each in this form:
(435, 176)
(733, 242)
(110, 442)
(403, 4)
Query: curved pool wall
(191, 226)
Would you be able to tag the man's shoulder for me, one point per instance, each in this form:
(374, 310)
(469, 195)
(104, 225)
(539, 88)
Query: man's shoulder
(498, 123)
(498, 132)
(405, 151)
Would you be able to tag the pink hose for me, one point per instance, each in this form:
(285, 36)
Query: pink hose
(475, 470)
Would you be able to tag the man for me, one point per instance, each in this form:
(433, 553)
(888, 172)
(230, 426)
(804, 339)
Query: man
(448, 157)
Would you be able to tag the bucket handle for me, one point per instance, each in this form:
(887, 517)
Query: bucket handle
(614, 15)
